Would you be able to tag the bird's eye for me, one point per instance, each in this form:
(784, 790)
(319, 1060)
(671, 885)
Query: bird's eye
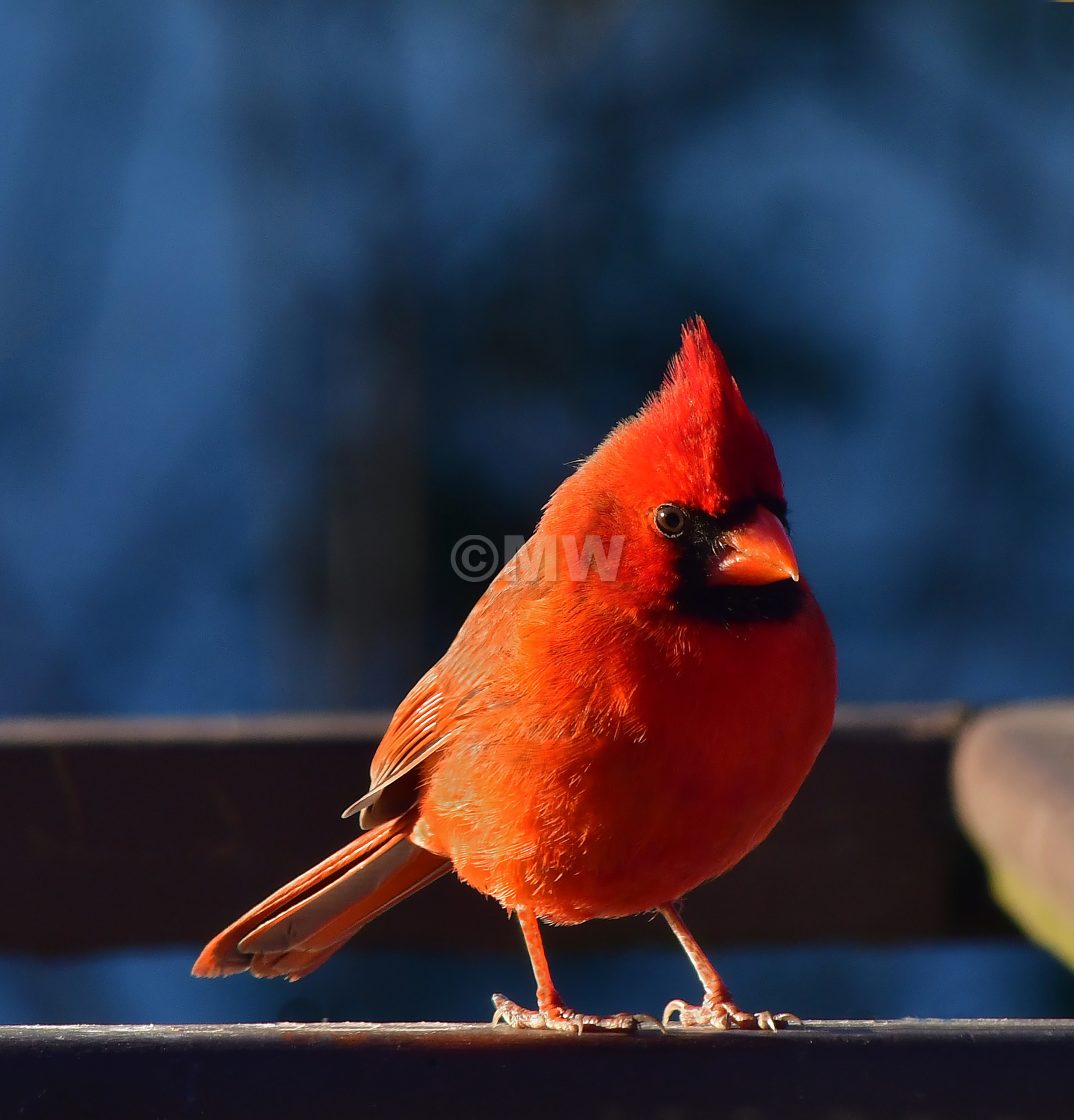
(670, 520)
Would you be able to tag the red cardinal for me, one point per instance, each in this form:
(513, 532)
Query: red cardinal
(628, 710)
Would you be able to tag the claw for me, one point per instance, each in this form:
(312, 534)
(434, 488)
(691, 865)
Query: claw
(669, 1011)
(563, 1018)
(725, 1016)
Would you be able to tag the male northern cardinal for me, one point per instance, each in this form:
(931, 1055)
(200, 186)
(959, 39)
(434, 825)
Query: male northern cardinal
(601, 737)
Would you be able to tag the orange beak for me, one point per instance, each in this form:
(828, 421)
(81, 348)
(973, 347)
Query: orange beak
(755, 553)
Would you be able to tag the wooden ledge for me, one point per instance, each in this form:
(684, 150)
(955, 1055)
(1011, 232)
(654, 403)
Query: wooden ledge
(281, 1037)
(233, 807)
(926, 1068)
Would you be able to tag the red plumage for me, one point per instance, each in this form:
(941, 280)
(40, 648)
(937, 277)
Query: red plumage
(598, 741)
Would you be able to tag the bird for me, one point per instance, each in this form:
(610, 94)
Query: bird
(627, 711)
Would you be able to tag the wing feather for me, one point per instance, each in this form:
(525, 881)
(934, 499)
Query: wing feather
(416, 730)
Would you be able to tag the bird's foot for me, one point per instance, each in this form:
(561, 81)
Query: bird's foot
(726, 1016)
(564, 1019)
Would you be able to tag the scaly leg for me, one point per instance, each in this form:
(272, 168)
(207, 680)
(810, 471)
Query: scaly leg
(551, 1014)
(717, 1009)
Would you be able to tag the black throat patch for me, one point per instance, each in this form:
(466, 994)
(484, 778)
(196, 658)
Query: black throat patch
(729, 603)
(770, 602)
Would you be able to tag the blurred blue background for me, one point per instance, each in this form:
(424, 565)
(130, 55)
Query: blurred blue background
(294, 296)
(960, 980)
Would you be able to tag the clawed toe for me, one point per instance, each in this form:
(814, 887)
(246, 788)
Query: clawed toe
(563, 1018)
(522, 1018)
(725, 1016)
(766, 1021)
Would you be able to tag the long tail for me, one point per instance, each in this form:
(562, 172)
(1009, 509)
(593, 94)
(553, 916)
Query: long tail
(300, 926)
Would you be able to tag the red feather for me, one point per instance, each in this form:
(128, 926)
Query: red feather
(591, 746)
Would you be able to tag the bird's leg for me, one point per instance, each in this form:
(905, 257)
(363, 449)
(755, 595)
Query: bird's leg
(717, 1009)
(551, 1013)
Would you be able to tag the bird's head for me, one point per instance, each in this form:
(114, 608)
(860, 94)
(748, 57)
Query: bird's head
(691, 489)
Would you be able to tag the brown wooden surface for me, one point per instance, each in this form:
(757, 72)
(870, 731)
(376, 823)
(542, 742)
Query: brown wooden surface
(977, 1070)
(179, 825)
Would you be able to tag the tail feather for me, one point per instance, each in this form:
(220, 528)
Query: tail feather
(303, 923)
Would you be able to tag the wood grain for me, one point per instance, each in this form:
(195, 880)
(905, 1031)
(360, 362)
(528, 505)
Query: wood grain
(922, 1069)
(182, 824)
